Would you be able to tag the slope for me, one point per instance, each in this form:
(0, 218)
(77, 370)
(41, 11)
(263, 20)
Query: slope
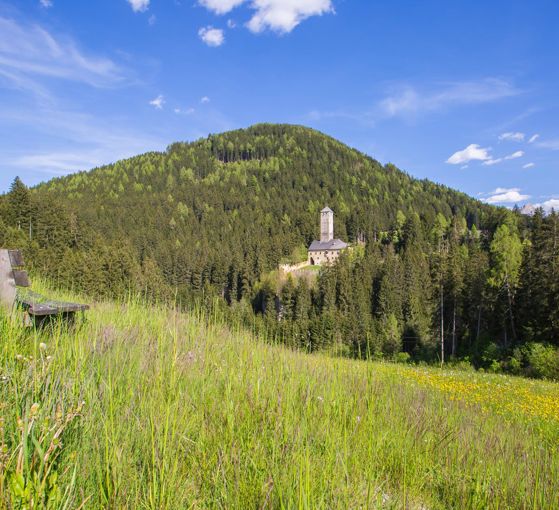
(145, 407)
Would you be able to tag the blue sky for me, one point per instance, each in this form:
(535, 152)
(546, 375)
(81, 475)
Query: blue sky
(465, 93)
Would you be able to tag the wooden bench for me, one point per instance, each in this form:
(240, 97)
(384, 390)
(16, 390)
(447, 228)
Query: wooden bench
(15, 293)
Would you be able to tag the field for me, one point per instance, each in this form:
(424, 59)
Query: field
(142, 407)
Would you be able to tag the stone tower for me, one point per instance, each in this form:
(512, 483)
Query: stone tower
(326, 225)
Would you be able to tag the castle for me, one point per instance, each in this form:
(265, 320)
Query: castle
(328, 249)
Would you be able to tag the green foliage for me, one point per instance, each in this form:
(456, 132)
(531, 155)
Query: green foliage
(430, 269)
(542, 360)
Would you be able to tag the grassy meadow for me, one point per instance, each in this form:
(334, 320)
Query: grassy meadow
(148, 408)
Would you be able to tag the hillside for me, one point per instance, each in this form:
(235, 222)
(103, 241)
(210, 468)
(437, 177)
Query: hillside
(441, 274)
(144, 407)
(245, 199)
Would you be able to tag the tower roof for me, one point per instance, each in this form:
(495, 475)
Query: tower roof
(327, 209)
(333, 244)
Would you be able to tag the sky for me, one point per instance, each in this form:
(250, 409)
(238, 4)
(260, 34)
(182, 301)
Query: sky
(465, 93)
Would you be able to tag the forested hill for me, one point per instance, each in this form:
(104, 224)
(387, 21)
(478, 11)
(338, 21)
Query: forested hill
(241, 201)
(212, 217)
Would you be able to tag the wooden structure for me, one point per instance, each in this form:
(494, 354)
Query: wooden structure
(15, 293)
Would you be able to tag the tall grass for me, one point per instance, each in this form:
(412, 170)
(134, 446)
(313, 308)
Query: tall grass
(143, 407)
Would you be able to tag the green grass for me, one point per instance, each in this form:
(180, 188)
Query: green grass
(143, 407)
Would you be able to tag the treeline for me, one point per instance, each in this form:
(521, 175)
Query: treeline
(448, 292)
(214, 217)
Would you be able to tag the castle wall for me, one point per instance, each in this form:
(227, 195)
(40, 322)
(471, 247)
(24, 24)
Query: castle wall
(323, 258)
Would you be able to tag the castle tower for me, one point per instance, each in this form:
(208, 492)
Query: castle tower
(326, 225)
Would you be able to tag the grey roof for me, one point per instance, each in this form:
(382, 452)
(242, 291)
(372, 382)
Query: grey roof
(334, 244)
(327, 209)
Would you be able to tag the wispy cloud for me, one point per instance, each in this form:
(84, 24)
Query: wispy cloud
(533, 138)
(139, 5)
(204, 99)
(29, 53)
(158, 102)
(408, 101)
(491, 162)
(528, 165)
(280, 16)
(505, 196)
(81, 142)
(549, 144)
(59, 163)
(472, 152)
(512, 137)
(46, 3)
(211, 36)
(188, 111)
(514, 155)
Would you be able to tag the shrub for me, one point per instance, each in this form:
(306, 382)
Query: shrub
(402, 357)
(542, 360)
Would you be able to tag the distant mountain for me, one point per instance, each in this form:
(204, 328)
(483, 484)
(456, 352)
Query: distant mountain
(528, 210)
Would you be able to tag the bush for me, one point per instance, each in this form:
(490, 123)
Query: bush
(542, 360)
(490, 357)
(463, 364)
(402, 357)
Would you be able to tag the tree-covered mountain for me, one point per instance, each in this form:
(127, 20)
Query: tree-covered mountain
(215, 216)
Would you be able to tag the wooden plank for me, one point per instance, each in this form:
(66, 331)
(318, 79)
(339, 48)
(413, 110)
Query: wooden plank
(16, 258)
(21, 278)
(38, 305)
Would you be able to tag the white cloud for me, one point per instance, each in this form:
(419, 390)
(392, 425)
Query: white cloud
(506, 196)
(284, 15)
(211, 36)
(408, 101)
(231, 23)
(512, 137)
(472, 152)
(28, 52)
(550, 204)
(205, 99)
(515, 155)
(491, 162)
(139, 5)
(152, 19)
(158, 102)
(46, 3)
(529, 165)
(533, 138)
(280, 16)
(220, 6)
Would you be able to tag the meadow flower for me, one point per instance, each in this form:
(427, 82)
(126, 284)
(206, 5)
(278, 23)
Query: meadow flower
(34, 409)
(43, 346)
